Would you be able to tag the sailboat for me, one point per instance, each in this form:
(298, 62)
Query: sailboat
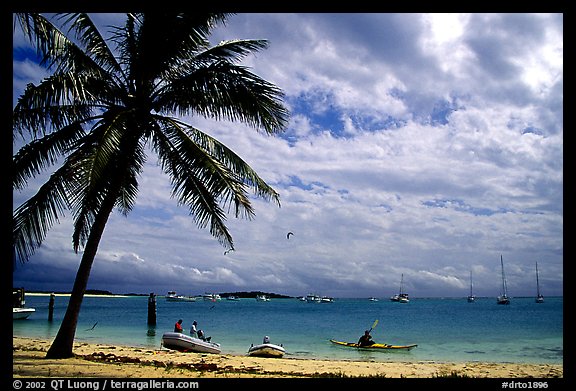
(471, 297)
(503, 298)
(539, 297)
(401, 297)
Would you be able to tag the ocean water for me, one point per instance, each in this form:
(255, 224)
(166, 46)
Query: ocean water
(447, 329)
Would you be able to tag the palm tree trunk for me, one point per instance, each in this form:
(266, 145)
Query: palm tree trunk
(63, 343)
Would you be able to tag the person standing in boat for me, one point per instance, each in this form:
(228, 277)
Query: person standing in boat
(178, 326)
(266, 339)
(366, 339)
(193, 330)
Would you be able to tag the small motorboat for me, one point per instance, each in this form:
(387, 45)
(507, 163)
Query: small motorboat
(266, 350)
(21, 312)
(186, 343)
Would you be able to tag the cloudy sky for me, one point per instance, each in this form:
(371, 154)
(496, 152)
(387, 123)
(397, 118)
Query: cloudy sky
(426, 145)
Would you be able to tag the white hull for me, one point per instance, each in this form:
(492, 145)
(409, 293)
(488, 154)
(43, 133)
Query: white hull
(22, 313)
(185, 343)
(181, 298)
(172, 296)
(266, 350)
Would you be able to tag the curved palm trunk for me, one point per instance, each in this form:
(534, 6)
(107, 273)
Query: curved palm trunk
(63, 343)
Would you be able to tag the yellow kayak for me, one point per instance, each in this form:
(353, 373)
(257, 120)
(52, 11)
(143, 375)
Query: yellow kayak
(376, 346)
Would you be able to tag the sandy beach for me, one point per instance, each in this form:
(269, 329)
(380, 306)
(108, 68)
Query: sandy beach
(102, 360)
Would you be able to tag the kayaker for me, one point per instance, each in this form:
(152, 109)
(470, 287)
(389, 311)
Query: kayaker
(193, 331)
(178, 326)
(366, 339)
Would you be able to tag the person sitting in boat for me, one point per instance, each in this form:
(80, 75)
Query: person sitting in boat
(178, 326)
(266, 339)
(366, 339)
(193, 330)
(201, 336)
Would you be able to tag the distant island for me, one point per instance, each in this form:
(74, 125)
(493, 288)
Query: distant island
(253, 294)
(96, 292)
(242, 295)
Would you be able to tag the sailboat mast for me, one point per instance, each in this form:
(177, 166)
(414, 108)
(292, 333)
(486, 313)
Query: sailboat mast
(470, 282)
(504, 290)
(537, 282)
(401, 283)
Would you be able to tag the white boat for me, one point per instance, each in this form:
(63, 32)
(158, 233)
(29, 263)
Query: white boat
(539, 297)
(326, 299)
(471, 297)
(373, 299)
(503, 298)
(401, 297)
(186, 343)
(233, 298)
(312, 298)
(172, 296)
(211, 296)
(21, 312)
(262, 298)
(266, 350)
(19, 309)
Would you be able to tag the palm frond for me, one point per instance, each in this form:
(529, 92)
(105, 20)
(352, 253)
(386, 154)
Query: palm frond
(39, 154)
(188, 172)
(35, 217)
(94, 43)
(226, 91)
(229, 50)
(56, 102)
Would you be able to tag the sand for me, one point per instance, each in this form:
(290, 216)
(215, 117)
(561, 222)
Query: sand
(114, 361)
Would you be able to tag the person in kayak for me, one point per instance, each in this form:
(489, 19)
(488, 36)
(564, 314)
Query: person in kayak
(366, 339)
(178, 326)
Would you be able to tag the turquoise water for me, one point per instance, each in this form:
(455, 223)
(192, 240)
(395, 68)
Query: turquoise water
(449, 329)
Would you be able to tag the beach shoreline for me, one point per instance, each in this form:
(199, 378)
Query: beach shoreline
(98, 360)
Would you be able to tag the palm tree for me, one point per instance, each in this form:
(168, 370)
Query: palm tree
(108, 103)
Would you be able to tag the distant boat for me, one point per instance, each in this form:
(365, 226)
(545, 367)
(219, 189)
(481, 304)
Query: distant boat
(539, 297)
(373, 299)
(233, 298)
(19, 309)
(211, 296)
(22, 313)
(326, 299)
(172, 296)
(503, 298)
(312, 298)
(471, 297)
(262, 298)
(401, 297)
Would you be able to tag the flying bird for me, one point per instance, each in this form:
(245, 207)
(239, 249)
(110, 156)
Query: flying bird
(288, 235)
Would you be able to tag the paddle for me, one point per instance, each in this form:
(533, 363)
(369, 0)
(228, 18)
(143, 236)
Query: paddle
(373, 325)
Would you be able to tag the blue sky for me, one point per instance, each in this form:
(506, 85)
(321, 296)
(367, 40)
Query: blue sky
(419, 144)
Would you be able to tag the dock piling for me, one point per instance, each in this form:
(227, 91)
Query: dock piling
(152, 309)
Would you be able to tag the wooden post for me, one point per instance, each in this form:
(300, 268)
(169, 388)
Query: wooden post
(51, 307)
(152, 309)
